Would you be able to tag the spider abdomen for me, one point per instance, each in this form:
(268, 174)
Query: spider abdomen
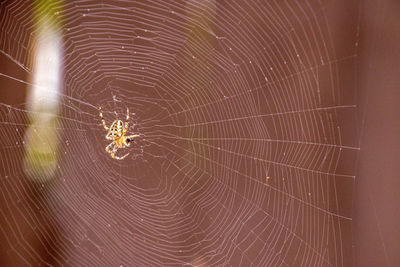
(116, 130)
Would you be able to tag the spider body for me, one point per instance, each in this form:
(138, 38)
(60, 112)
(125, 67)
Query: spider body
(117, 134)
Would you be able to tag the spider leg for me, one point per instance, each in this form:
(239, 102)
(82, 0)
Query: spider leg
(102, 119)
(113, 151)
(109, 147)
(127, 120)
(132, 136)
(116, 157)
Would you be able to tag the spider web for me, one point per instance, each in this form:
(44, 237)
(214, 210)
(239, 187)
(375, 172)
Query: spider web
(246, 150)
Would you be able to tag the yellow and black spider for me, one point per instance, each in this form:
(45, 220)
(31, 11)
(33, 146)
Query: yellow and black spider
(116, 133)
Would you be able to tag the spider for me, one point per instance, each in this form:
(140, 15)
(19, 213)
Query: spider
(116, 133)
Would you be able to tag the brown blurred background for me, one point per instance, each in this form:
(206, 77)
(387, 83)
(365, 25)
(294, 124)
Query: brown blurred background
(177, 201)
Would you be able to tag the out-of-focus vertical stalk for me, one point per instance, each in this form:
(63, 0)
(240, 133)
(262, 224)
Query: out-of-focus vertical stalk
(42, 136)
